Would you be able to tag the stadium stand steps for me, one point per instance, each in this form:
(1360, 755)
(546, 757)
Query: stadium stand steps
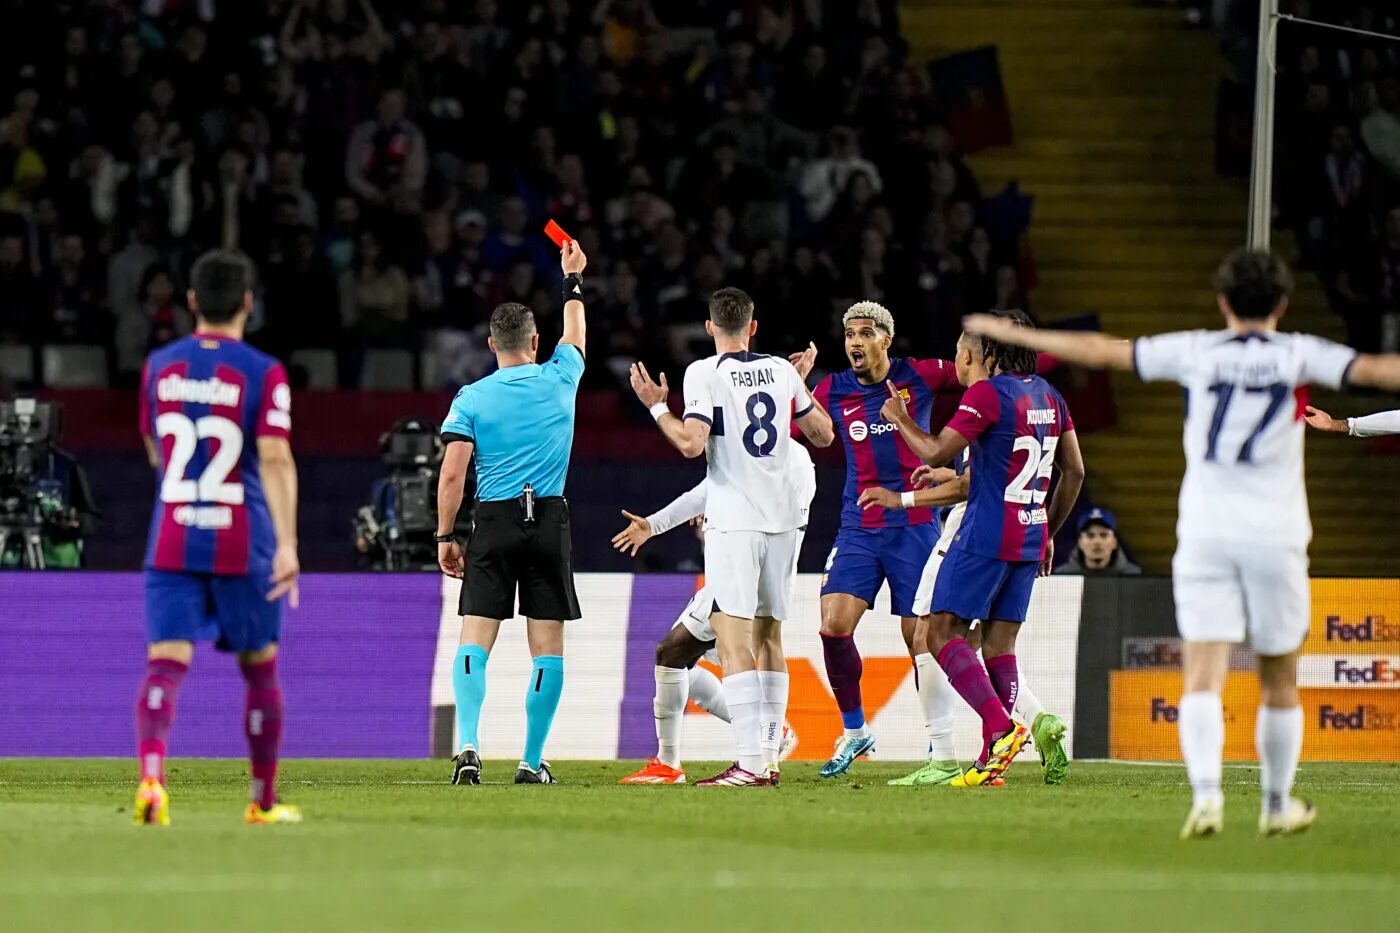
(1113, 106)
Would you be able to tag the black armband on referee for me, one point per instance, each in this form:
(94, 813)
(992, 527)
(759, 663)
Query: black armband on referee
(573, 288)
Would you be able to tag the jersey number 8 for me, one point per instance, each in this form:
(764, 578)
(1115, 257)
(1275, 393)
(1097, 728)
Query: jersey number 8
(212, 485)
(761, 424)
(1040, 460)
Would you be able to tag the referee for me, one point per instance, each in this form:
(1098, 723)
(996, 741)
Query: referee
(519, 421)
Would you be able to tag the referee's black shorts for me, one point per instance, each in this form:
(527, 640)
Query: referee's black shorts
(505, 552)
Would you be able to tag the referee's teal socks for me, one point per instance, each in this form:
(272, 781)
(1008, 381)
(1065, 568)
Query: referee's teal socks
(541, 701)
(469, 689)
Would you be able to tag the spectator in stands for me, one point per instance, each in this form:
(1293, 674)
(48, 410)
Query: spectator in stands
(1380, 125)
(232, 215)
(374, 301)
(125, 273)
(386, 162)
(823, 179)
(20, 300)
(677, 139)
(73, 289)
(1098, 552)
(302, 299)
(166, 315)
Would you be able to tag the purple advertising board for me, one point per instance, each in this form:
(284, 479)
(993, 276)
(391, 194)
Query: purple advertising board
(356, 664)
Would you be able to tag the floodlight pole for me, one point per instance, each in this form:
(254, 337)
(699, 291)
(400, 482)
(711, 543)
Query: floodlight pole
(1261, 176)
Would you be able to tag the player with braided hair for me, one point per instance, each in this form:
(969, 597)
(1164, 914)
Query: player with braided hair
(1019, 430)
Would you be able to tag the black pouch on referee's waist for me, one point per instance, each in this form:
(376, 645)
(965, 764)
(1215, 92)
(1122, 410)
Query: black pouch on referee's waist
(527, 503)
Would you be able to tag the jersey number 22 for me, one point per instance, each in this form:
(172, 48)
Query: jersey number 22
(212, 485)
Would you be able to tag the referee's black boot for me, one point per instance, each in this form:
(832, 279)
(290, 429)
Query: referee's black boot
(466, 767)
(523, 774)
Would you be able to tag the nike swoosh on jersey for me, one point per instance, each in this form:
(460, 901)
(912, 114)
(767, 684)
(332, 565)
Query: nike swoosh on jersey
(851, 411)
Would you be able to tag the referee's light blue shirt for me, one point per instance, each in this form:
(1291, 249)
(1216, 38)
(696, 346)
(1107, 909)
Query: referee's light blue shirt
(522, 421)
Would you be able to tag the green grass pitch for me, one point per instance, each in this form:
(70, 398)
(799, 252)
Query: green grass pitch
(390, 846)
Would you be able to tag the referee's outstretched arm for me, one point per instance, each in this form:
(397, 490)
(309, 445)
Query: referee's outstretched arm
(572, 260)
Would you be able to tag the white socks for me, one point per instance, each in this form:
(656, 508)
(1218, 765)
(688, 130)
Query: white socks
(1278, 736)
(708, 692)
(744, 694)
(1027, 705)
(672, 690)
(936, 698)
(773, 713)
(1201, 725)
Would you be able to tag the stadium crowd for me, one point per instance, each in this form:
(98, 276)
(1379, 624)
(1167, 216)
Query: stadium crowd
(388, 166)
(1338, 159)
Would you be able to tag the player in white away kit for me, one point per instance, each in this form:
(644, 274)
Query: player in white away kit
(739, 408)
(678, 675)
(1248, 577)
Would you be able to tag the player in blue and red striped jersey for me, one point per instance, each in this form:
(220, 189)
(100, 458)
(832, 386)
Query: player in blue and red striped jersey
(216, 419)
(1020, 430)
(877, 545)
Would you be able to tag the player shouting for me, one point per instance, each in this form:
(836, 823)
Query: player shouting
(216, 419)
(678, 675)
(878, 545)
(1019, 430)
(1247, 577)
(739, 407)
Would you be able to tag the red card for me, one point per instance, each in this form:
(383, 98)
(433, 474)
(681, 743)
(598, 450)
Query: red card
(557, 234)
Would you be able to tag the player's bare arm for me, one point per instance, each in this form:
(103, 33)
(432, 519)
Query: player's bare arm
(816, 424)
(1099, 351)
(152, 451)
(950, 492)
(451, 485)
(573, 261)
(926, 476)
(688, 435)
(1069, 460)
(279, 476)
(1379, 371)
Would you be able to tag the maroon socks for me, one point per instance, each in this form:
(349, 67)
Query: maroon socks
(1002, 671)
(843, 670)
(262, 723)
(155, 711)
(970, 679)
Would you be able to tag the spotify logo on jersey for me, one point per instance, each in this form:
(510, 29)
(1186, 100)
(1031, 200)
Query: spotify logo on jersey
(859, 430)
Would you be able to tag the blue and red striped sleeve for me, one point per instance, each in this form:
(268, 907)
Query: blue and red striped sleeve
(938, 375)
(979, 410)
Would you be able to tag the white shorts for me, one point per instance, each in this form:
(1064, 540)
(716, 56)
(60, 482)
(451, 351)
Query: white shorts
(695, 619)
(1234, 591)
(751, 573)
(923, 596)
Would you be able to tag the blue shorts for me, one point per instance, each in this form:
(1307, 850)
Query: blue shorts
(971, 586)
(863, 558)
(233, 612)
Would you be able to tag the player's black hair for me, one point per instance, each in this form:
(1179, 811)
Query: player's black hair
(1002, 357)
(1253, 282)
(731, 310)
(220, 279)
(512, 326)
